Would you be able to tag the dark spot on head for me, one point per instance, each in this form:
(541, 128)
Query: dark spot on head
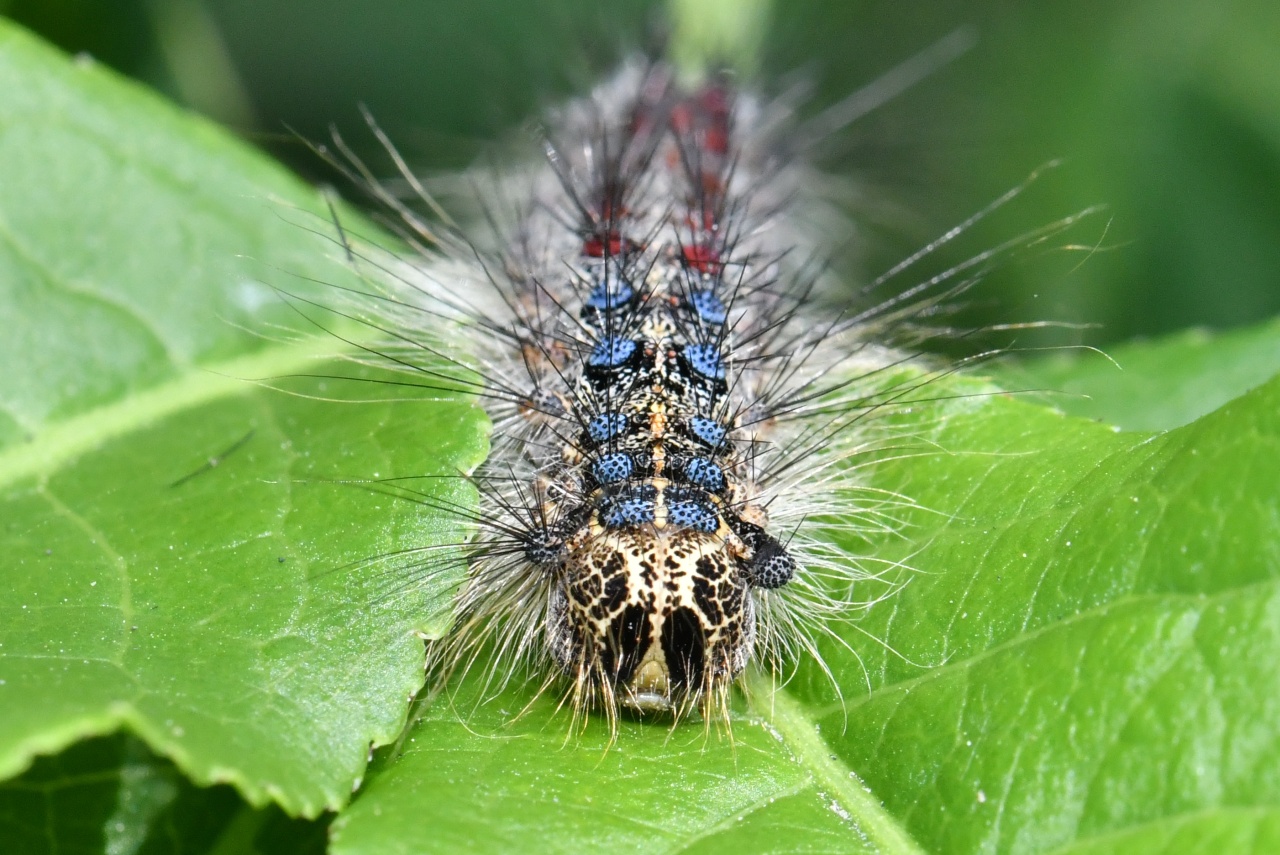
(709, 568)
(626, 642)
(684, 647)
(614, 592)
(704, 595)
(585, 590)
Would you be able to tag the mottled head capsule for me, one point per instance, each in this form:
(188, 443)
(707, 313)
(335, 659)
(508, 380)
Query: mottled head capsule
(654, 605)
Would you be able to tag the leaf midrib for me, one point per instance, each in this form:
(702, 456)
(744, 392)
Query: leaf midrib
(61, 443)
(800, 733)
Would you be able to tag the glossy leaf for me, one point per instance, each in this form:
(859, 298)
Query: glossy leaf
(1086, 652)
(1155, 385)
(1081, 661)
(113, 795)
(200, 606)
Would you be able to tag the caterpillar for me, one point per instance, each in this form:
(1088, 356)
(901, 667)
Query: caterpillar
(679, 413)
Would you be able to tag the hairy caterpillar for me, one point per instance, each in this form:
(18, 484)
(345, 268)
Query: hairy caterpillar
(678, 416)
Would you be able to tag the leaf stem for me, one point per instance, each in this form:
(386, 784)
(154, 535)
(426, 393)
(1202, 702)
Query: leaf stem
(790, 719)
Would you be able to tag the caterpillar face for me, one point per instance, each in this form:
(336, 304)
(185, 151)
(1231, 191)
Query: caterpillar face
(653, 602)
(654, 616)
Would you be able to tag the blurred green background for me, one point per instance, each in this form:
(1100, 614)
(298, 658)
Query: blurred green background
(1166, 111)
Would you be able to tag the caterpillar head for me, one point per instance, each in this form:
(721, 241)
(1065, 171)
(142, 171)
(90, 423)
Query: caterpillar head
(660, 618)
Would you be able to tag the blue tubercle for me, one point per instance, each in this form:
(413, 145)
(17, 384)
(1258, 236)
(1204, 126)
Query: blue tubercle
(705, 474)
(705, 359)
(707, 430)
(694, 515)
(709, 307)
(629, 511)
(610, 295)
(606, 426)
(612, 468)
(611, 352)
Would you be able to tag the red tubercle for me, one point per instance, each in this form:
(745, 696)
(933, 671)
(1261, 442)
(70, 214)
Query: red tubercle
(612, 212)
(712, 187)
(715, 100)
(700, 257)
(705, 113)
(716, 139)
(716, 104)
(682, 118)
(595, 246)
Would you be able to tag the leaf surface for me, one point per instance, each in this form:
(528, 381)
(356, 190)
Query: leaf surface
(1081, 661)
(111, 794)
(1155, 385)
(200, 605)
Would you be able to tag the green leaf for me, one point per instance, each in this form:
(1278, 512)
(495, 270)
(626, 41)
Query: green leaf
(1097, 623)
(1083, 659)
(482, 778)
(1155, 385)
(198, 605)
(113, 795)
